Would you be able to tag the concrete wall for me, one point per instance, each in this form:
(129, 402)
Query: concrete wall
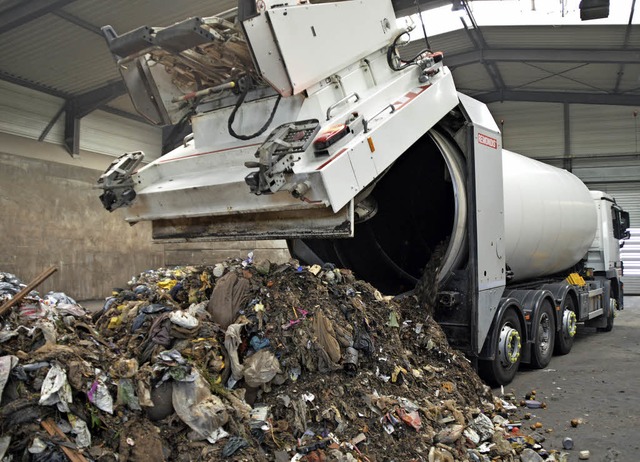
(207, 253)
(50, 215)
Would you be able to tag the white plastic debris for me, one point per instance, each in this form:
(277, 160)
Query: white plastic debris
(201, 410)
(56, 389)
(483, 426)
(37, 446)
(80, 429)
(184, 319)
(99, 395)
(7, 363)
(5, 441)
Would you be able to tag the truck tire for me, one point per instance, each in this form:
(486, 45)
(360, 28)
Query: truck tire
(503, 368)
(567, 330)
(544, 337)
(610, 317)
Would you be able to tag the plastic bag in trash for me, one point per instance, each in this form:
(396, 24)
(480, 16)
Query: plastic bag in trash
(7, 363)
(48, 330)
(260, 368)
(127, 395)
(258, 343)
(232, 340)
(184, 319)
(32, 309)
(53, 298)
(80, 429)
(99, 395)
(196, 406)
(234, 444)
(4, 445)
(56, 389)
(7, 288)
(10, 285)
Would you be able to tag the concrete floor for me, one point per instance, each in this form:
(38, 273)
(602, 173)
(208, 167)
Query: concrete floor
(598, 382)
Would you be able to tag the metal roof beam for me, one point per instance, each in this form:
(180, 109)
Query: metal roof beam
(32, 85)
(90, 101)
(25, 12)
(407, 7)
(625, 45)
(78, 107)
(78, 22)
(542, 55)
(477, 38)
(559, 97)
(124, 114)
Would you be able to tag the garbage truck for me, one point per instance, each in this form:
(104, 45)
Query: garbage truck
(309, 123)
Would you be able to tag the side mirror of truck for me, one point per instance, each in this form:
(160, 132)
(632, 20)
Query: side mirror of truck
(620, 223)
(625, 224)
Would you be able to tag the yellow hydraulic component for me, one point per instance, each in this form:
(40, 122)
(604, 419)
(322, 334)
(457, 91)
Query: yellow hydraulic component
(576, 280)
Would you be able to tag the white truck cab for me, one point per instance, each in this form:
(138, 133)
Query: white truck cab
(604, 254)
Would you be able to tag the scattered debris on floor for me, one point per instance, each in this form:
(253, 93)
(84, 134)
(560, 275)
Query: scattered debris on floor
(245, 361)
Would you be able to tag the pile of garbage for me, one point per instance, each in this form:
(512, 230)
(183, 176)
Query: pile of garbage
(244, 361)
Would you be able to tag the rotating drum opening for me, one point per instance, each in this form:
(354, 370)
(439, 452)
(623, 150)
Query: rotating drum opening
(421, 203)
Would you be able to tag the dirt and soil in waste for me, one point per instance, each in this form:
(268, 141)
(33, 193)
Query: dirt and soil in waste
(245, 361)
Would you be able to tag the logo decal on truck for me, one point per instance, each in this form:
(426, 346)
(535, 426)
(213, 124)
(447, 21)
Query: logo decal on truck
(487, 141)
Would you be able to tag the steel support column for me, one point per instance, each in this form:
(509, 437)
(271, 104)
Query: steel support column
(78, 107)
(71, 140)
(567, 161)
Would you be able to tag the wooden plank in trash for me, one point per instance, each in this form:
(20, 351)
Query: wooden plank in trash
(24, 292)
(53, 430)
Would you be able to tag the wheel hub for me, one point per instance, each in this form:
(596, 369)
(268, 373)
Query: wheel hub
(509, 346)
(544, 333)
(569, 323)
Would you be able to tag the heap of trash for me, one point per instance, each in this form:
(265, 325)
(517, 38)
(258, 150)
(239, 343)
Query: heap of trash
(244, 361)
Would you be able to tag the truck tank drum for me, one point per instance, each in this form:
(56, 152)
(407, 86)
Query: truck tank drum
(550, 217)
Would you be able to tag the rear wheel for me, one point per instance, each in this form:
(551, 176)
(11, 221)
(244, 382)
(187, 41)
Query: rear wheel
(568, 327)
(544, 337)
(502, 369)
(610, 317)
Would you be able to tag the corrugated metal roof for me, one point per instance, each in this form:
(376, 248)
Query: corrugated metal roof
(64, 56)
(472, 79)
(592, 37)
(537, 74)
(125, 15)
(576, 77)
(55, 53)
(6, 4)
(451, 42)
